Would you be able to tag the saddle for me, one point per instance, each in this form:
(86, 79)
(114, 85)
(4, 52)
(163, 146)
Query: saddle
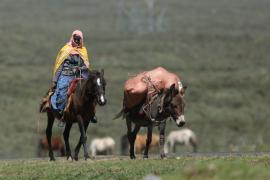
(73, 85)
(45, 102)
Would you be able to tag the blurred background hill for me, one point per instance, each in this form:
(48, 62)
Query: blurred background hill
(219, 48)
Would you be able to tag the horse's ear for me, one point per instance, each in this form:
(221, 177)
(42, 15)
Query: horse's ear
(183, 90)
(166, 97)
(173, 91)
(172, 87)
(170, 93)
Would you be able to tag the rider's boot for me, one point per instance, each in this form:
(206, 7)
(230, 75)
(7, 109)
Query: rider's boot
(66, 109)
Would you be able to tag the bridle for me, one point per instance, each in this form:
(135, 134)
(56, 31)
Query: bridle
(168, 110)
(97, 90)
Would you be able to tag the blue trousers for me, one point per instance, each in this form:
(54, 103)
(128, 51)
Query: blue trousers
(59, 98)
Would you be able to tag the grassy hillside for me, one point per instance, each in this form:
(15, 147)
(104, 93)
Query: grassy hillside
(180, 168)
(219, 48)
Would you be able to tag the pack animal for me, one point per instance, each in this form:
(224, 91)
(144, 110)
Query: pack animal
(149, 99)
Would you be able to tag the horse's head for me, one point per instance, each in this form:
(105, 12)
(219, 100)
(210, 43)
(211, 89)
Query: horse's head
(96, 86)
(174, 104)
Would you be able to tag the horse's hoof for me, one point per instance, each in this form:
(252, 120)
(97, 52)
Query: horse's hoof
(86, 157)
(76, 158)
(69, 158)
(145, 156)
(132, 157)
(51, 156)
(92, 157)
(163, 156)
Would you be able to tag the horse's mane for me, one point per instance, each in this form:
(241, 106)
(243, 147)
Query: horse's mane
(93, 74)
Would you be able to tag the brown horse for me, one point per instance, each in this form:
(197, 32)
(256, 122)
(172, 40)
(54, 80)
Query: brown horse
(141, 140)
(139, 143)
(168, 103)
(57, 145)
(81, 110)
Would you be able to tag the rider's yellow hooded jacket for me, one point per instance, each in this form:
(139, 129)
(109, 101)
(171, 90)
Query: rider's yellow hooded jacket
(72, 48)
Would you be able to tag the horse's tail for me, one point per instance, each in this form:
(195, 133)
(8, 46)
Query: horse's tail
(120, 114)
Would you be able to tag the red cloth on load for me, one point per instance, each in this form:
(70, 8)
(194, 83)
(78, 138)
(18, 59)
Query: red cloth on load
(135, 89)
(73, 86)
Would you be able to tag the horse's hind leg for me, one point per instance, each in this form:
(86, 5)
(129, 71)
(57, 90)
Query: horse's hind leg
(132, 137)
(78, 147)
(83, 137)
(49, 133)
(148, 141)
(66, 137)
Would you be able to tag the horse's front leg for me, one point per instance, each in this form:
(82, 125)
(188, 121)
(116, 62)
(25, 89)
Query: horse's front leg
(83, 137)
(49, 133)
(148, 141)
(66, 139)
(78, 147)
(162, 127)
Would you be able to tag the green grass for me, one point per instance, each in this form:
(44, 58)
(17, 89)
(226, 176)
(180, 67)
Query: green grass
(219, 48)
(246, 167)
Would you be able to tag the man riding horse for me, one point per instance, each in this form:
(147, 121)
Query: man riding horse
(74, 94)
(71, 62)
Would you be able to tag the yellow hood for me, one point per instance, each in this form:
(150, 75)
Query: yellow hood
(66, 51)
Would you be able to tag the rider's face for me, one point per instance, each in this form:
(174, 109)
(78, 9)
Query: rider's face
(77, 39)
